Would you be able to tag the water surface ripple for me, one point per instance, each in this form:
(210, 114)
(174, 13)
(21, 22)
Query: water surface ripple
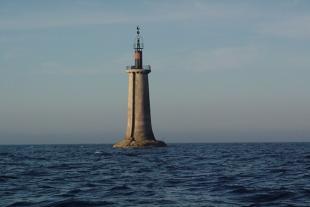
(270, 174)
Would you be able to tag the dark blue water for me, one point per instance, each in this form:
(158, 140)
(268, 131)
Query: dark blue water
(179, 175)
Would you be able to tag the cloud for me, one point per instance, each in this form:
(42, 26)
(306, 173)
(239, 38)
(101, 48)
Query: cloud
(226, 58)
(221, 58)
(265, 16)
(37, 21)
(56, 68)
(261, 57)
(253, 57)
(289, 27)
(94, 14)
(12, 54)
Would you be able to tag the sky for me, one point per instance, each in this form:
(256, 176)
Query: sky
(222, 71)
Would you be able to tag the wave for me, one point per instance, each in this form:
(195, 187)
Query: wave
(181, 175)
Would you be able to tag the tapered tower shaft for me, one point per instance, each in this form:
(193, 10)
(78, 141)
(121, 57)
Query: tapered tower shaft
(139, 126)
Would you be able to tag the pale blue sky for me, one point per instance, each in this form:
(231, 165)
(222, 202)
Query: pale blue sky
(223, 71)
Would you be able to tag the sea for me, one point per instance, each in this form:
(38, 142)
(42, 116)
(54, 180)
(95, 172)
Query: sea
(242, 174)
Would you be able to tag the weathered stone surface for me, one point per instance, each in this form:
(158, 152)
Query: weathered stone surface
(127, 143)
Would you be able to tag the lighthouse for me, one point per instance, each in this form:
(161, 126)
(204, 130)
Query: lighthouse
(139, 132)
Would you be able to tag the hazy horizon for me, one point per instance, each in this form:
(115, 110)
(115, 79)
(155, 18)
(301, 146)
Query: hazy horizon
(222, 71)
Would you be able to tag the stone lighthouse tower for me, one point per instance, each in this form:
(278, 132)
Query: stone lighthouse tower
(139, 131)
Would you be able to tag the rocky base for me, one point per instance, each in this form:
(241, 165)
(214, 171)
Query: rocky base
(128, 143)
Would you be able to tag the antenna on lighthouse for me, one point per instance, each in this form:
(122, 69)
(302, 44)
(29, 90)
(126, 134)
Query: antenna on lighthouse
(138, 43)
